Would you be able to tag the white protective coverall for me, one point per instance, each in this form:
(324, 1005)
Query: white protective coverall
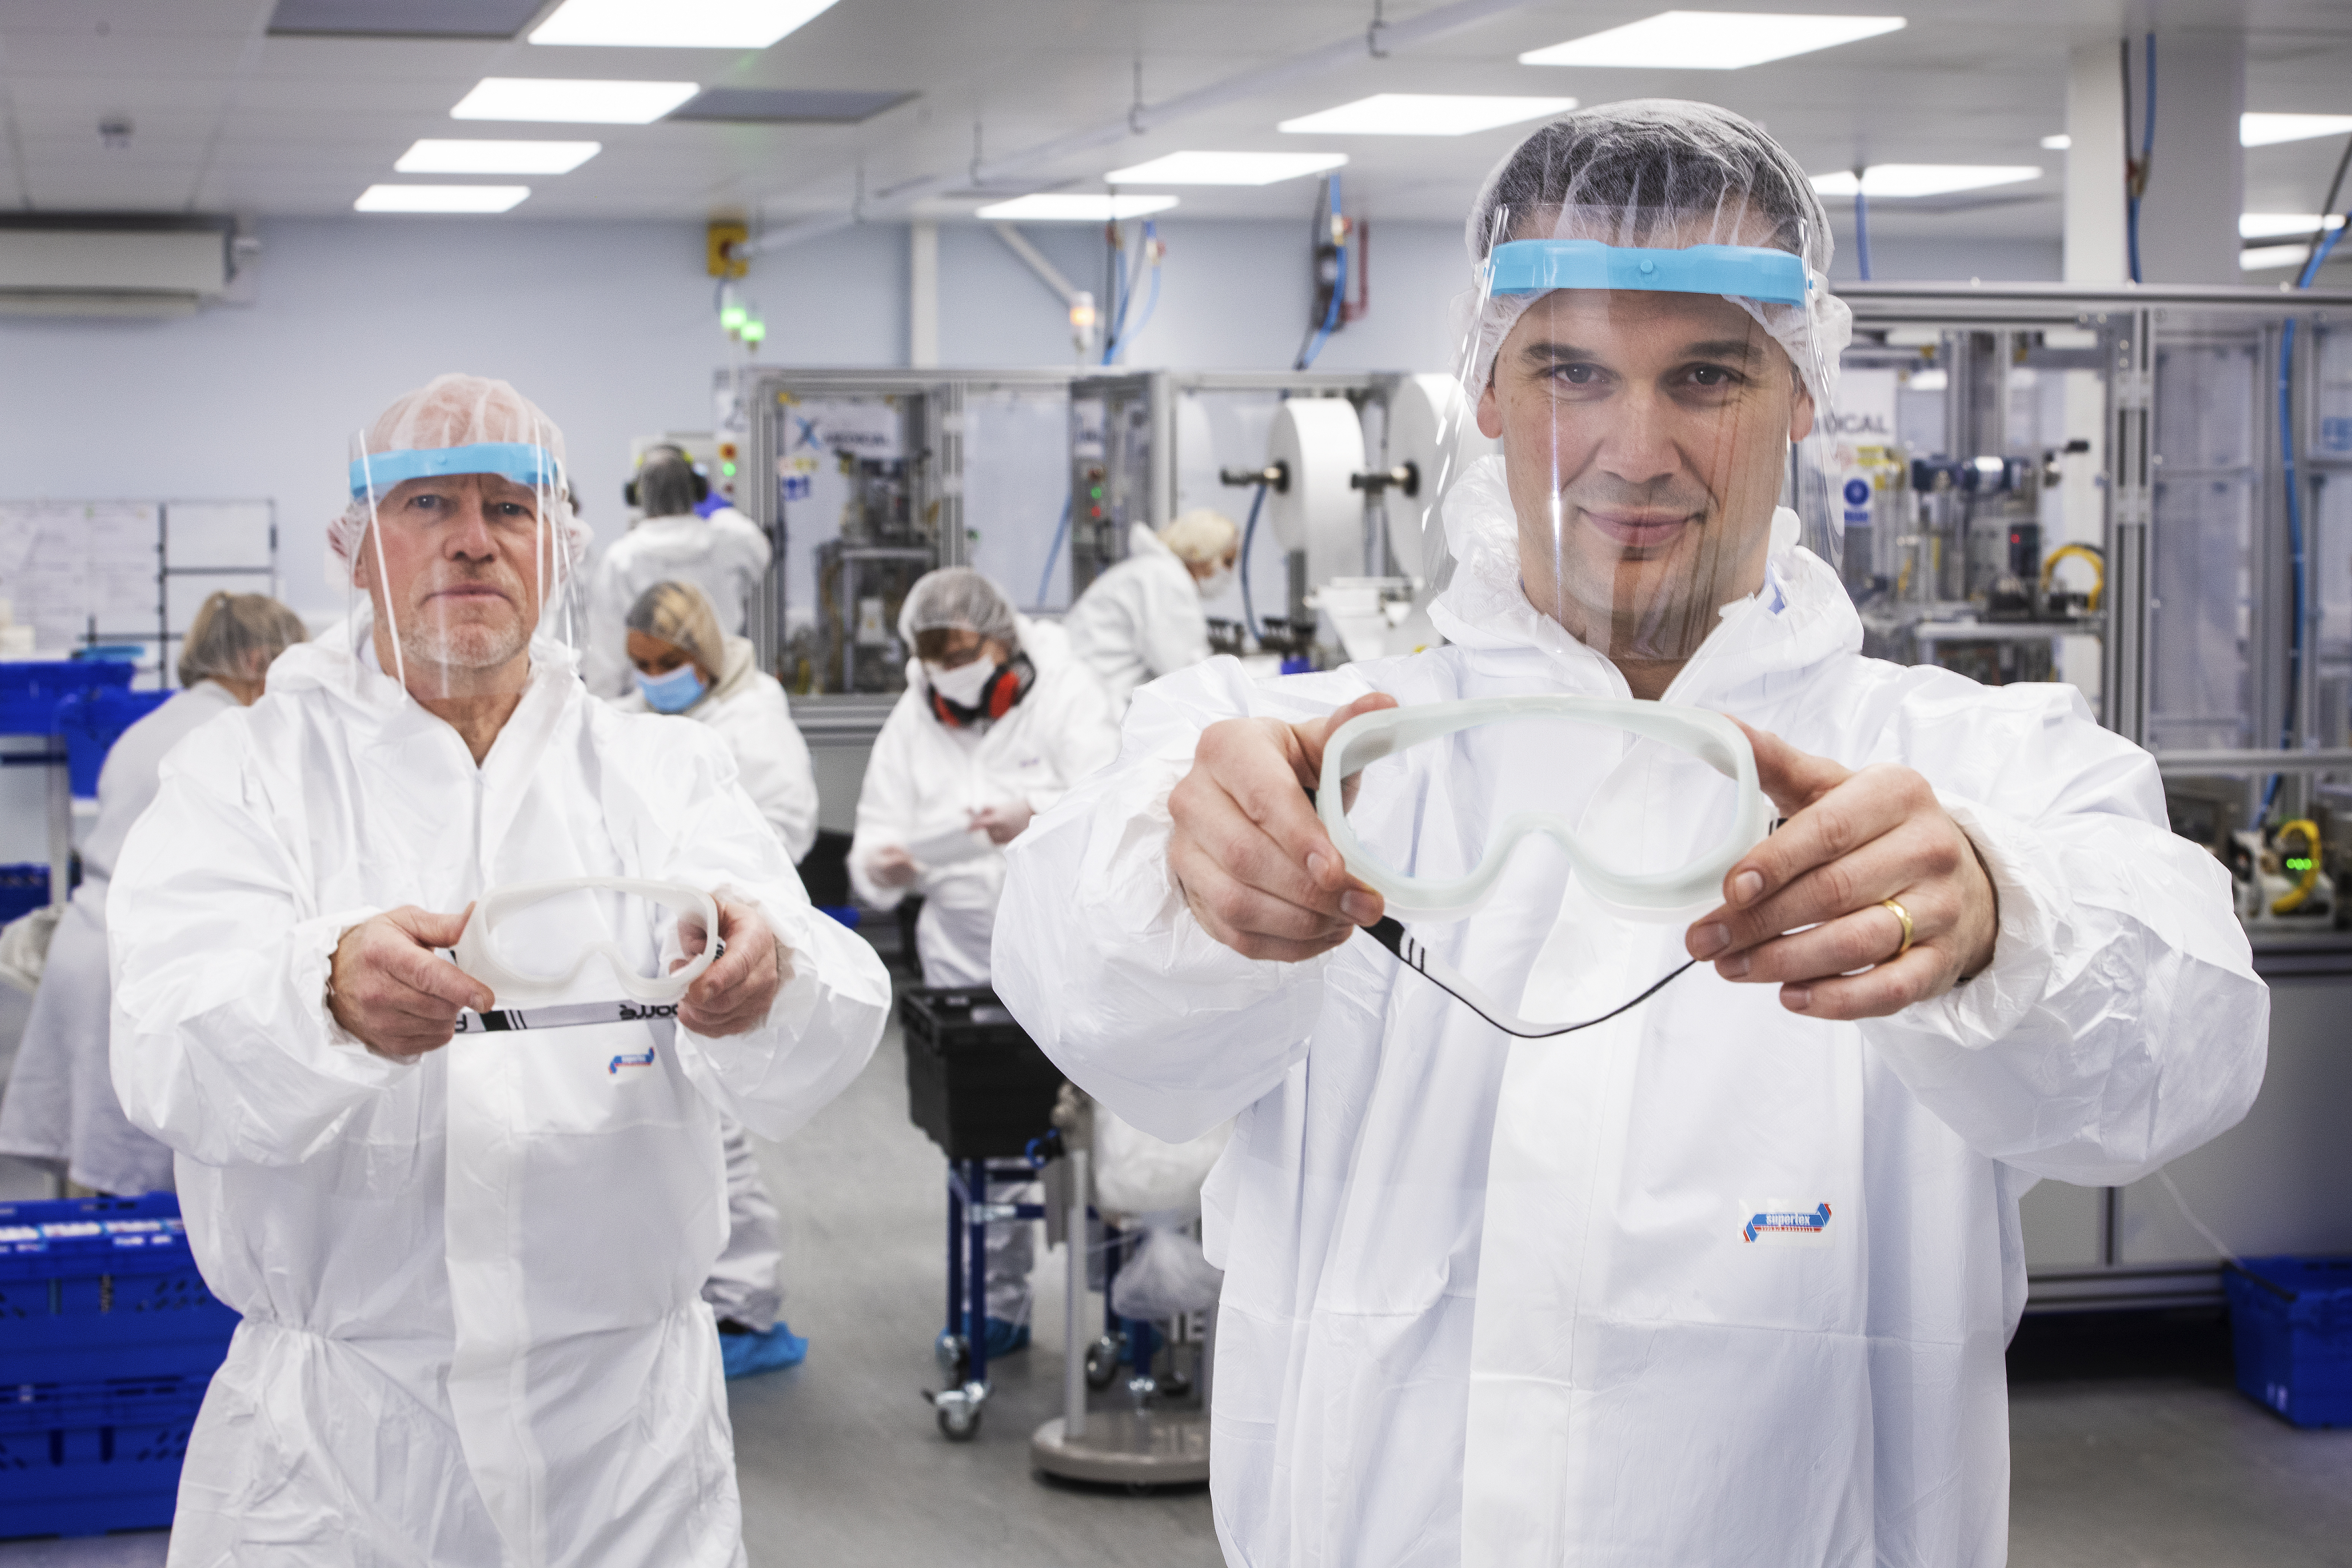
(749, 709)
(472, 1333)
(61, 1108)
(1490, 1302)
(1140, 620)
(924, 778)
(725, 555)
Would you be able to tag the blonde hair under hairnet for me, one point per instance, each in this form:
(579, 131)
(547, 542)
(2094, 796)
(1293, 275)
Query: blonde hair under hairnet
(1666, 174)
(681, 615)
(957, 598)
(1202, 537)
(458, 410)
(235, 637)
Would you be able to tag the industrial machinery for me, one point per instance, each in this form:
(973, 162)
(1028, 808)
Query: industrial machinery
(2147, 493)
(1335, 475)
(878, 478)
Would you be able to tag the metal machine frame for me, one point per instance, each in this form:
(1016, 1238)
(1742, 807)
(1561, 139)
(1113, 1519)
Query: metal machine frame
(935, 472)
(2133, 324)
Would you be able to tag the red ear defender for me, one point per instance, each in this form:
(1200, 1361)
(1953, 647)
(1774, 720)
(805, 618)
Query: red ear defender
(1003, 691)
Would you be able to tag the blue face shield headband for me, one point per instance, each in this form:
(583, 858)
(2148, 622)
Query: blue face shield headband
(1747, 272)
(520, 461)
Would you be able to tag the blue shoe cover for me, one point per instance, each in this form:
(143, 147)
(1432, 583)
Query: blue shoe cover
(746, 1356)
(1004, 1338)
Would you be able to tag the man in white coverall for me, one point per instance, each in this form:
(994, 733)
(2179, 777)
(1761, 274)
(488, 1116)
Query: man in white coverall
(468, 1267)
(1726, 1278)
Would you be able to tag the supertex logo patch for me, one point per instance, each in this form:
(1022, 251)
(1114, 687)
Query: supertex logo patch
(1786, 1224)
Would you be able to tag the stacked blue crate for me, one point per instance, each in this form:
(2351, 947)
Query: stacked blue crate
(108, 1339)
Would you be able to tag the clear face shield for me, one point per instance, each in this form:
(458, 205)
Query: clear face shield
(463, 558)
(1655, 404)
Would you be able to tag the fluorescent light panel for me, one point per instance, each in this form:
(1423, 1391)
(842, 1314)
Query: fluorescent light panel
(2269, 129)
(1057, 206)
(2273, 226)
(1898, 181)
(571, 102)
(1424, 114)
(677, 23)
(439, 199)
(2268, 258)
(1710, 40)
(2058, 144)
(432, 157)
(1225, 168)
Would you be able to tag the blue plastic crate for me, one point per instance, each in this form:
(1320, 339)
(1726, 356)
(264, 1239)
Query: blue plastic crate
(83, 1459)
(100, 1288)
(30, 691)
(91, 721)
(23, 889)
(2291, 1328)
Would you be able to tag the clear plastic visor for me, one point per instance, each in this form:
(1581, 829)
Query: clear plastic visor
(461, 563)
(1649, 427)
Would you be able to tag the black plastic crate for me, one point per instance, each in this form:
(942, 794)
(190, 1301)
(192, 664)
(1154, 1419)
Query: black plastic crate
(976, 1083)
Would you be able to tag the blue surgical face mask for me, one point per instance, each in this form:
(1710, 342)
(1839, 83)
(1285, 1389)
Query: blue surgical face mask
(676, 692)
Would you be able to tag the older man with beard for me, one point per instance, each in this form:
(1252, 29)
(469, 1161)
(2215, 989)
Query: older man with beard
(468, 1264)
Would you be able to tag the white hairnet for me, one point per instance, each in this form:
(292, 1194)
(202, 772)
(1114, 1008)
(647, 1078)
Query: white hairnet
(681, 615)
(1662, 173)
(961, 598)
(459, 410)
(1201, 536)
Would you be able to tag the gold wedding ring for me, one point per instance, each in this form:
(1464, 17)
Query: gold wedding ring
(1904, 915)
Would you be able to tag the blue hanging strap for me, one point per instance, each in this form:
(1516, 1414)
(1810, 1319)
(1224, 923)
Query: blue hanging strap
(1746, 271)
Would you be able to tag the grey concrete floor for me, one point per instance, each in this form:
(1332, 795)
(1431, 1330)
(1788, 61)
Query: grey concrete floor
(2131, 1446)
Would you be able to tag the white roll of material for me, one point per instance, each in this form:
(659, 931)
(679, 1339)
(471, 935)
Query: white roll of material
(1322, 441)
(1430, 426)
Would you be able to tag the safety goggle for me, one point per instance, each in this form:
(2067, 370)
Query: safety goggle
(518, 988)
(1710, 737)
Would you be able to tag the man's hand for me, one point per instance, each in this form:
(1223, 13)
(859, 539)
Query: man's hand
(1002, 823)
(1256, 867)
(1848, 841)
(891, 867)
(389, 987)
(734, 994)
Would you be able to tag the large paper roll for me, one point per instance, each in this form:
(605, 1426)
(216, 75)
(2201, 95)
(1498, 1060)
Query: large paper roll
(1322, 441)
(1429, 426)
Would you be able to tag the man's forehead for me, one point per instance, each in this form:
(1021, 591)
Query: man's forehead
(496, 487)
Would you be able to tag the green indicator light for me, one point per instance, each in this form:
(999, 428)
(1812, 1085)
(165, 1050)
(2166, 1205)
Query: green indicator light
(2298, 865)
(1096, 493)
(726, 470)
(733, 316)
(754, 331)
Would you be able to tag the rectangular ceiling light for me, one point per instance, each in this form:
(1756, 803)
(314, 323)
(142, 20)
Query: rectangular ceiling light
(1897, 180)
(1225, 168)
(2058, 144)
(439, 199)
(1424, 114)
(2274, 225)
(2269, 129)
(431, 157)
(677, 23)
(1056, 206)
(403, 19)
(1710, 40)
(2268, 258)
(788, 105)
(572, 102)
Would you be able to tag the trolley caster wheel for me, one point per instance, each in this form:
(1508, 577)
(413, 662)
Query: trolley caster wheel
(1102, 1362)
(959, 1423)
(954, 1354)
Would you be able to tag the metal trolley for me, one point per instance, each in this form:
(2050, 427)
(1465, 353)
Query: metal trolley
(984, 1093)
